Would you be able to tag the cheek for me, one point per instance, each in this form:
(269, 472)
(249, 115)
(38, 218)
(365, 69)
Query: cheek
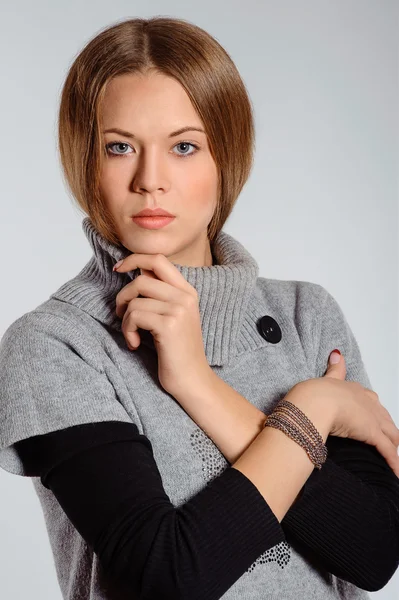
(110, 176)
(201, 185)
(112, 185)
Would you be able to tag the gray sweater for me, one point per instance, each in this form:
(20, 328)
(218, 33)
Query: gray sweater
(66, 363)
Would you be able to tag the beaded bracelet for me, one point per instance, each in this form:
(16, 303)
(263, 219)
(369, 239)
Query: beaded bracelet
(293, 422)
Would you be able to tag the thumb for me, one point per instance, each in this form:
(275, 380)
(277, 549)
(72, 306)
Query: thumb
(336, 369)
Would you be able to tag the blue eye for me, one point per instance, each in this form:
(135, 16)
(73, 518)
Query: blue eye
(188, 144)
(108, 146)
(111, 153)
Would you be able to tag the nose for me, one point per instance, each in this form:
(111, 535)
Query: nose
(150, 174)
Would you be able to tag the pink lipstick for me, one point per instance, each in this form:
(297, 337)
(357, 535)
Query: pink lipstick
(152, 222)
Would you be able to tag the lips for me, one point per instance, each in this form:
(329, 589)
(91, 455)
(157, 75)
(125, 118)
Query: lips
(159, 212)
(152, 222)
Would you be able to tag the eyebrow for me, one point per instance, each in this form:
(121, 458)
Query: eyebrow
(173, 134)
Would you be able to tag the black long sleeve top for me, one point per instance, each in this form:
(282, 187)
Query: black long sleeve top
(105, 477)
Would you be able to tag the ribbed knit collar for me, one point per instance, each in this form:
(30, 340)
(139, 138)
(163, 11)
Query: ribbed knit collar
(229, 303)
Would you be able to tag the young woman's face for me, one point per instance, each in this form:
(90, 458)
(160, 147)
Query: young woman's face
(153, 170)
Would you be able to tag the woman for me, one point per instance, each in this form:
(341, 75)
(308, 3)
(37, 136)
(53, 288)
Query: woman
(176, 422)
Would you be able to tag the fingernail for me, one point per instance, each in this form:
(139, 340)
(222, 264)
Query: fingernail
(116, 265)
(335, 357)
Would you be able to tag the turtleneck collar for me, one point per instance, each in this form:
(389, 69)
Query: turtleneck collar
(229, 303)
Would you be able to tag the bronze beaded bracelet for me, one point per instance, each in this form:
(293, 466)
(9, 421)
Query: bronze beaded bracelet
(293, 422)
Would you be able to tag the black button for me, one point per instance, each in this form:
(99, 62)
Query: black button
(269, 329)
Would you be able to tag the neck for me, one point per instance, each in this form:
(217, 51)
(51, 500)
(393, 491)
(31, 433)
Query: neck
(229, 302)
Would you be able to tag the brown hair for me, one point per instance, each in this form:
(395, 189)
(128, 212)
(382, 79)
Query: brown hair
(178, 49)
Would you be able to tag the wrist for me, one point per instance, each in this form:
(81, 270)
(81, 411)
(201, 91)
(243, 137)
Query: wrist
(308, 398)
(196, 385)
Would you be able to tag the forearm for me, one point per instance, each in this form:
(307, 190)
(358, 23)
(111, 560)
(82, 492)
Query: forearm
(227, 418)
(325, 521)
(343, 525)
(277, 465)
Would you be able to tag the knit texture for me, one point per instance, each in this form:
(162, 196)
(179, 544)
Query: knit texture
(66, 363)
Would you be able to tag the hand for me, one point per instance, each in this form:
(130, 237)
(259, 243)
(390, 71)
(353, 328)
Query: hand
(170, 311)
(358, 412)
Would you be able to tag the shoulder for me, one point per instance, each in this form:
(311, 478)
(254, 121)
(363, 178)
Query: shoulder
(52, 328)
(293, 295)
(52, 315)
(297, 306)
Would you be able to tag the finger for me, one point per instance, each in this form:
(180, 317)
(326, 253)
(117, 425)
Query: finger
(337, 370)
(389, 452)
(150, 305)
(383, 416)
(142, 319)
(129, 321)
(148, 273)
(146, 286)
(129, 330)
(389, 428)
(163, 268)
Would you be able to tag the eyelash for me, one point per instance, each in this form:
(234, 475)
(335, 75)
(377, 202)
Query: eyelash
(110, 144)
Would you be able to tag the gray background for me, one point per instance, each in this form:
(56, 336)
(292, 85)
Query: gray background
(321, 204)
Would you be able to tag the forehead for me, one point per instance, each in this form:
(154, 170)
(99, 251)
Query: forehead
(145, 101)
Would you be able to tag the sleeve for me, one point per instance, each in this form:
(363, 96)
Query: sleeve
(332, 330)
(49, 380)
(106, 480)
(346, 517)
